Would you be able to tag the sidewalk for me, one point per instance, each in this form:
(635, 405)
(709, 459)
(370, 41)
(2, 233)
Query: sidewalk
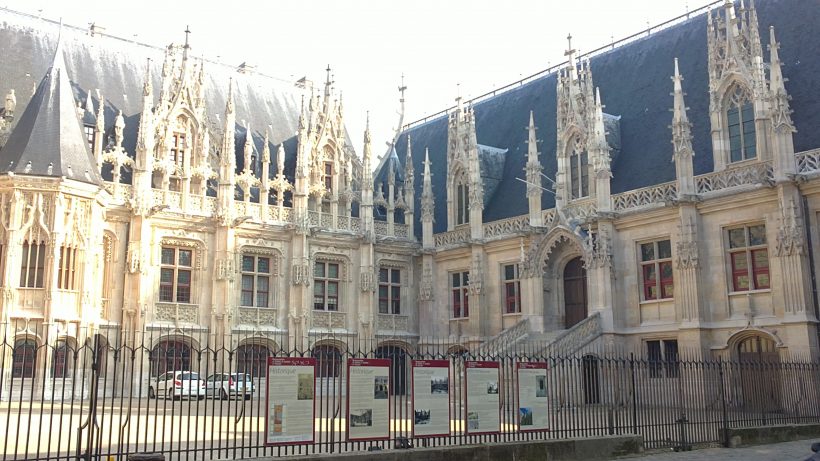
(788, 451)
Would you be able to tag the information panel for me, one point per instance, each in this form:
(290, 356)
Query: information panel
(532, 397)
(431, 398)
(483, 402)
(368, 403)
(289, 404)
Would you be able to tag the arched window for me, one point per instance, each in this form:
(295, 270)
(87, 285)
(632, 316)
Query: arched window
(24, 358)
(32, 264)
(757, 348)
(252, 359)
(170, 356)
(328, 361)
(398, 367)
(62, 360)
(579, 170)
(740, 123)
(462, 202)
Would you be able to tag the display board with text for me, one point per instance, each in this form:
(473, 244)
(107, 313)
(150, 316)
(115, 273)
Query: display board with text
(532, 396)
(431, 398)
(483, 401)
(289, 401)
(368, 399)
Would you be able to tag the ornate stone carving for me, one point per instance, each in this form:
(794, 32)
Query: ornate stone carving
(597, 250)
(225, 269)
(686, 248)
(790, 232)
(541, 249)
(135, 258)
(300, 273)
(196, 246)
(367, 279)
(476, 283)
(426, 286)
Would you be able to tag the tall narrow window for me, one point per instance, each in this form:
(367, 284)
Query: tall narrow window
(32, 265)
(461, 303)
(252, 359)
(512, 289)
(462, 203)
(662, 358)
(66, 273)
(740, 117)
(326, 286)
(578, 170)
(89, 135)
(178, 149)
(328, 176)
(749, 258)
(328, 361)
(255, 281)
(24, 358)
(389, 291)
(656, 270)
(60, 360)
(175, 275)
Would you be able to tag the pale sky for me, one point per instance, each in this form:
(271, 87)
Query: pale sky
(443, 47)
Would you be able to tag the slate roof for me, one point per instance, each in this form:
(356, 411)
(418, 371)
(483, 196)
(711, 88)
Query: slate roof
(117, 66)
(635, 84)
(48, 139)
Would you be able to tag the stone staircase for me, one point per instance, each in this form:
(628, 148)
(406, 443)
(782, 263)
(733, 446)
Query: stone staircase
(519, 339)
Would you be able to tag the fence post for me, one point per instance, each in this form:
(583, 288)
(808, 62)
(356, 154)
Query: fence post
(634, 394)
(723, 403)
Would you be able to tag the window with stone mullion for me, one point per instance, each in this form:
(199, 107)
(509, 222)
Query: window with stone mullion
(389, 291)
(175, 275)
(326, 286)
(461, 302)
(749, 258)
(255, 281)
(656, 270)
(512, 290)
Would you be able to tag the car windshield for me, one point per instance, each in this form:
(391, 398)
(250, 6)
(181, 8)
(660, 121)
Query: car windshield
(242, 377)
(189, 376)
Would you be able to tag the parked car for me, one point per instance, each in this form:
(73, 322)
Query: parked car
(227, 385)
(177, 384)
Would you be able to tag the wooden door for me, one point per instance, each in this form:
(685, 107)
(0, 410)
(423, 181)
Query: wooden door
(575, 292)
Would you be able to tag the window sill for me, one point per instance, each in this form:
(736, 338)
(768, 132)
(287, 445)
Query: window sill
(510, 314)
(656, 301)
(454, 319)
(749, 292)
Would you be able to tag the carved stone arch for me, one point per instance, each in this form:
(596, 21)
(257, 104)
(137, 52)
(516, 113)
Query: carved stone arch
(177, 335)
(109, 249)
(572, 135)
(535, 263)
(739, 336)
(732, 87)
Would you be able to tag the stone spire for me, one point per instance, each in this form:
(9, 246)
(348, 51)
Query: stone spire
(682, 139)
(227, 163)
(366, 208)
(533, 171)
(409, 180)
(781, 113)
(427, 204)
(264, 188)
(48, 140)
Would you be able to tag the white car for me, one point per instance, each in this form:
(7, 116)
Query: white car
(227, 385)
(178, 384)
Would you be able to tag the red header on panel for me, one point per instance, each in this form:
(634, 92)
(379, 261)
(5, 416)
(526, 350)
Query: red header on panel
(532, 365)
(291, 361)
(368, 362)
(431, 363)
(479, 364)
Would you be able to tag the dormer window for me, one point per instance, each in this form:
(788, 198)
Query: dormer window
(178, 149)
(579, 170)
(740, 117)
(89, 135)
(462, 202)
(328, 176)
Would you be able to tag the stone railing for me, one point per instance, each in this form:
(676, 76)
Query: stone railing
(355, 224)
(326, 220)
(176, 313)
(581, 334)
(391, 322)
(209, 205)
(314, 217)
(506, 339)
(120, 192)
(380, 228)
(453, 237)
(507, 226)
(329, 320)
(808, 161)
(278, 214)
(658, 194)
(257, 316)
(581, 209)
(758, 173)
(401, 230)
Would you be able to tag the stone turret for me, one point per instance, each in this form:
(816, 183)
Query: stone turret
(428, 204)
(682, 139)
(533, 172)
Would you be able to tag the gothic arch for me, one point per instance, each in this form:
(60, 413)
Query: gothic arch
(541, 250)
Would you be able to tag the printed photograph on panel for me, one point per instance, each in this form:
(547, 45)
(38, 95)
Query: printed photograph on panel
(439, 385)
(278, 419)
(361, 417)
(525, 415)
(472, 420)
(380, 388)
(422, 416)
(492, 387)
(305, 391)
(540, 386)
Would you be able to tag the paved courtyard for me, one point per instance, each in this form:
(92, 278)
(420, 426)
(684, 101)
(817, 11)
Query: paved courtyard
(788, 451)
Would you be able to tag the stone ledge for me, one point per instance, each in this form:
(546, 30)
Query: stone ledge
(600, 448)
(760, 435)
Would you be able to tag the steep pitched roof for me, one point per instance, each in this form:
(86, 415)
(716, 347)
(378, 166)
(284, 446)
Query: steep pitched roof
(48, 139)
(634, 80)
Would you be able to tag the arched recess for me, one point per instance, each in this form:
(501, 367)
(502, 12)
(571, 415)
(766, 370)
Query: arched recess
(252, 354)
(759, 372)
(174, 353)
(64, 358)
(575, 292)
(398, 353)
(328, 355)
(24, 357)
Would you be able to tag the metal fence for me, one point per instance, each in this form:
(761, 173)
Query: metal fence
(72, 395)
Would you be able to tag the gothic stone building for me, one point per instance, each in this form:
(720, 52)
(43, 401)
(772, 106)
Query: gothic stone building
(184, 204)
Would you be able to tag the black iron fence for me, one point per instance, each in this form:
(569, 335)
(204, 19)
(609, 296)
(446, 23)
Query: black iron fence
(68, 394)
